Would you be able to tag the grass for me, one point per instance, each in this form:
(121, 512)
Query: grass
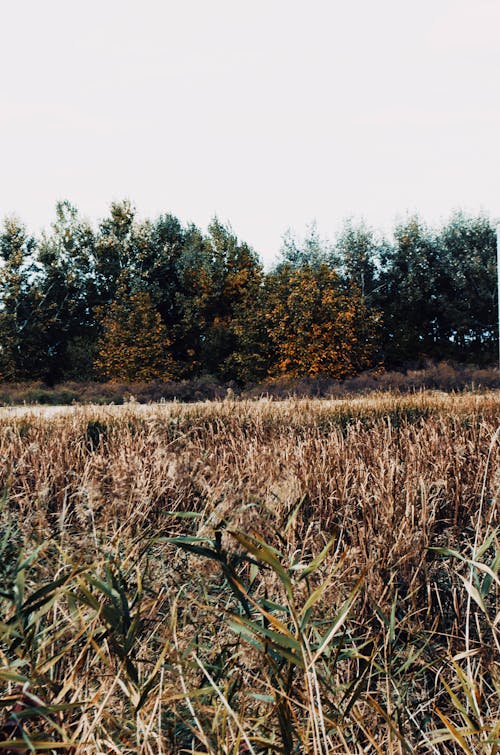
(252, 576)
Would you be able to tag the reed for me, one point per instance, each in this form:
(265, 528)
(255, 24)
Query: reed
(252, 576)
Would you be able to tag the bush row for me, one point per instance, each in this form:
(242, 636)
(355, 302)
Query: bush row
(442, 376)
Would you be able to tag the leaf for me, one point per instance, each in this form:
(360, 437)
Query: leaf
(456, 734)
(29, 559)
(102, 586)
(261, 639)
(185, 514)
(10, 676)
(265, 553)
(315, 563)
(339, 620)
(277, 624)
(36, 745)
(261, 697)
(487, 544)
(392, 618)
(293, 515)
(447, 552)
(314, 597)
(285, 640)
(186, 543)
(491, 573)
(474, 593)
(148, 685)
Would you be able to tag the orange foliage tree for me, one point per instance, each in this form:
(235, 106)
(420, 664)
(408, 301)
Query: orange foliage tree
(317, 326)
(134, 344)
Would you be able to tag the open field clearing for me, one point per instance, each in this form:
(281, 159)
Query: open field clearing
(377, 402)
(251, 576)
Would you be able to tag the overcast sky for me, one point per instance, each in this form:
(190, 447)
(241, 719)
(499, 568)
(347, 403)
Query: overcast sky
(268, 113)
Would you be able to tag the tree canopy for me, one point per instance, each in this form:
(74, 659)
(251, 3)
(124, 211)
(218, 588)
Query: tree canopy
(132, 299)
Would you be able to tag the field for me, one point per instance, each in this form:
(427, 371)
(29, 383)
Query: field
(313, 576)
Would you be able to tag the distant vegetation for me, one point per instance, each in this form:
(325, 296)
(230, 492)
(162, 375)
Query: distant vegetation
(252, 577)
(131, 301)
(440, 377)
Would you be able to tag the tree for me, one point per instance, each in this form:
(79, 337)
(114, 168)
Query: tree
(21, 337)
(468, 288)
(159, 247)
(115, 250)
(220, 284)
(357, 250)
(234, 332)
(315, 326)
(311, 250)
(409, 295)
(134, 343)
(68, 291)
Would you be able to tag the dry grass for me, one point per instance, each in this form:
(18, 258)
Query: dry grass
(299, 576)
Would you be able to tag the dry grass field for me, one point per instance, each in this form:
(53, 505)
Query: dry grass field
(252, 577)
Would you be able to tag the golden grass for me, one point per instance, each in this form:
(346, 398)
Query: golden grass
(297, 576)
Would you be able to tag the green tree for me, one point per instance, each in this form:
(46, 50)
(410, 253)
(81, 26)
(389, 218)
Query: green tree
(437, 289)
(311, 250)
(160, 246)
(21, 337)
(68, 291)
(220, 284)
(468, 288)
(409, 295)
(358, 252)
(115, 250)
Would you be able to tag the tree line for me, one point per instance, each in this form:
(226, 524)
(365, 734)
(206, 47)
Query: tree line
(134, 300)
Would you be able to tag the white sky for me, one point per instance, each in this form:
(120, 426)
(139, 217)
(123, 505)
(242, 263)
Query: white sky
(269, 113)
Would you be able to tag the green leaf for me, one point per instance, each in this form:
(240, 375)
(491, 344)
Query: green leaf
(29, 560)
(293, 516)
(315, 563)
(44, 593)
(261, 697)
(487, 543)
(392, 619)
(337, 623)
(34, 745)
(10, 676)
(185, 514)
(286, 640)
(188, 539)
(315, 596)
(268, 555)
(447, 552)
(491, 573)
(102, 586)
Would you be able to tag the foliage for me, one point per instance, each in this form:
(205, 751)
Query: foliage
(438, 293)
(468, 281)
(309, 251)
(424, 294)
(410, 268)
(315, 326)
(134, 342)
(359, 251)
(68, 290)
(218, 578)
(21, 353)
(219, 301)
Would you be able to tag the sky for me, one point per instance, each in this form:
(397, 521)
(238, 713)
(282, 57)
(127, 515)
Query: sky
(270, 114)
